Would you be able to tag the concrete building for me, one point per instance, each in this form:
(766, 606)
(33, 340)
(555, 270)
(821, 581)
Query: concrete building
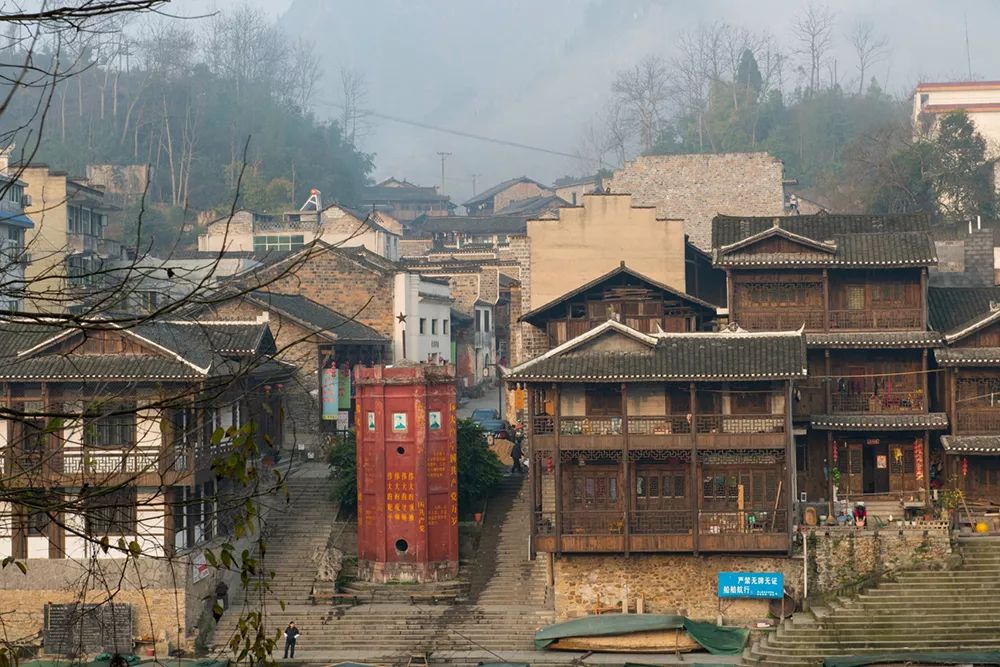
(67, 246)
(424, 320)
(14, 224)
(696, 188)
(979, 99)
(246, 231)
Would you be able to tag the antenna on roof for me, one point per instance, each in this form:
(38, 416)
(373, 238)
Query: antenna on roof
(315, 199)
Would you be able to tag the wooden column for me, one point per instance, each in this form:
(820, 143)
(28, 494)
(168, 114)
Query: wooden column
(557, 465)
(729, 295)
(953, 404)
(828, 381)
(926, 380)
(927, 468)
(826, 299)
(923, 299)
(790, 465)
(695, 486)
(534, 467)
(829, 466)
(626, 475)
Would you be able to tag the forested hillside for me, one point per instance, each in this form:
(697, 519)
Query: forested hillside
(201, 102)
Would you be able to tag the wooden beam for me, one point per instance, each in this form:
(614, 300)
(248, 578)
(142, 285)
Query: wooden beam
(626, 476)
(557, 466)
(923, 298)
(927, 468)
(828, 407)
(729, 295)
(826, 300)
(695, 486)
(790, 466)
(534, 467)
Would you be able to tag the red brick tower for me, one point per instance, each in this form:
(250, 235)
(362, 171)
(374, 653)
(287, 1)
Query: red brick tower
(407, 473)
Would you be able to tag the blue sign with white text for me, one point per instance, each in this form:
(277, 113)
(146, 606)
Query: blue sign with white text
(751, 585)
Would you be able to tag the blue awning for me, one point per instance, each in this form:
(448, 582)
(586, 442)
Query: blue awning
(17, 220)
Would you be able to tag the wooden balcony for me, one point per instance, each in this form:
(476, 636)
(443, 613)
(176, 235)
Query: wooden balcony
(73, 467)
(784, 319)
(983, 420)
(902, 400)
(811, 401)
(895, 319)
(661, 432)
(761, 530)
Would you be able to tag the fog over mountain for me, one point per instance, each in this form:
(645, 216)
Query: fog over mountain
(535, 72)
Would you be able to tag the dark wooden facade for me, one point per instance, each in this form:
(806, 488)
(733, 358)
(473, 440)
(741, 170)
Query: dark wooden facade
(653, 464)
(857, 285)
(123, 417)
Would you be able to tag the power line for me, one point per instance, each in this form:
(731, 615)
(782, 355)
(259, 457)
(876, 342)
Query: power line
(457, 133)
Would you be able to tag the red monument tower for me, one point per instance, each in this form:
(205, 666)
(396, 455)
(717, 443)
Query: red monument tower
(407, 473)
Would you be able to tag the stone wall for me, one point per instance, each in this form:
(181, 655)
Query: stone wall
(841, 556)
(517, 192)
(687, 584)
(979, 256)
(155, 589)
(698, 187)
(670, 584)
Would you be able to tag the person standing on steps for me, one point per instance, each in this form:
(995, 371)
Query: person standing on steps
(291, 634)
(517, 451)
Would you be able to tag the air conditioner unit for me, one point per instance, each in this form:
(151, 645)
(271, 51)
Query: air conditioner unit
(26, 200)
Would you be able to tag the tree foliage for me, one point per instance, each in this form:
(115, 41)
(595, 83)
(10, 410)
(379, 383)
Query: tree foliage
(188, 100)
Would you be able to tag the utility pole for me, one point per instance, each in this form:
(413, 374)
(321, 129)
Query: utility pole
(443, 156)
(475, 178)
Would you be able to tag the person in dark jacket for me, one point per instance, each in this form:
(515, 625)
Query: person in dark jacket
(517, 451)
(291, 634)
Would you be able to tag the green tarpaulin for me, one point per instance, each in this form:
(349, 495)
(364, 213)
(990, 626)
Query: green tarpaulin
(912, 657)
(715, 639)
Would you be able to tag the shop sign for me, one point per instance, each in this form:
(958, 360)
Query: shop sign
(751, 585)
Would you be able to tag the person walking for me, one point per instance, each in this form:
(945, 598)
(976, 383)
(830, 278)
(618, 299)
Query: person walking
(517, 451)
(291, 634)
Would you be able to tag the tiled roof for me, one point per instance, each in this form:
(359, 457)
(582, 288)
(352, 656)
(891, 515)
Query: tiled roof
(624, 271)
(472, 224)
(696, 356)
(318, 318)
(881, 422)
(97, 367)
(533, 205)
(727, 229)
(898, 249)
(500, 187)
(968, 356)
(874, 339)
(973, 445)
(378, 193)
(954, 308)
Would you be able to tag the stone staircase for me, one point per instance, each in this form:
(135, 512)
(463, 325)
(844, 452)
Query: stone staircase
(507, 590)
(952, 610)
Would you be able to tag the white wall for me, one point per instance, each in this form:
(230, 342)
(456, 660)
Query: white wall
(417, 298)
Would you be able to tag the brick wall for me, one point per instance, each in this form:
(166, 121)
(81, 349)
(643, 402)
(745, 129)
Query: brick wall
(979, 256)
(337, 281)
(519, 249)
(697, 187)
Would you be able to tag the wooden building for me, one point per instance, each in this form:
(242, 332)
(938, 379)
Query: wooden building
(118, 423)
(969, 387)
(857, 284)
(662, 442)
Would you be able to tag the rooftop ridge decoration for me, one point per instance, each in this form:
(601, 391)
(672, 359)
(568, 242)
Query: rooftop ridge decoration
(828, 246)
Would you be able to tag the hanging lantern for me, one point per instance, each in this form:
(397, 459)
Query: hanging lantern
(965, 467)
(918, 459)
(835, 452)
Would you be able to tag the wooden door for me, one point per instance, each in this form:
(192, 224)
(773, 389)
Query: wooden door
(855, 468)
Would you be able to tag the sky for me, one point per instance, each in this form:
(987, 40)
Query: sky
(534, 72)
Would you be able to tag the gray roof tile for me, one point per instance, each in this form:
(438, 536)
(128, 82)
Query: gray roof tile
(880, 422)
(972, 445)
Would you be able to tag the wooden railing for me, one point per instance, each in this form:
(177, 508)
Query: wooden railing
(754, 520)
(780, 319)
(888, 319)
(594, 522)
(658, 425)
(660, 522)
(978, 420)
(901, 400)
